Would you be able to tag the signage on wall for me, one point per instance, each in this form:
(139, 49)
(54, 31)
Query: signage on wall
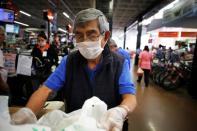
(168, 34)
(188, 34)
(9, 64)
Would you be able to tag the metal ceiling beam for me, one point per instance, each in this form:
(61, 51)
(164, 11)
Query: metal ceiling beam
(93, 3)
(106, 6)
(149, 9)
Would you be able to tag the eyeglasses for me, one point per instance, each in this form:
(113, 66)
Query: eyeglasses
(91, 37)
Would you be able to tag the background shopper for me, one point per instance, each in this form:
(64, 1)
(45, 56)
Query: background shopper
(145, 59)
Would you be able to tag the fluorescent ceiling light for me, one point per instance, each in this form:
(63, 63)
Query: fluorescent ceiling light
(25, 13)
(132, 25)
(62, 30)
(20, 23)
(147, 21)
(159, 14)
(50, 17)
(65, 14)
(169, 6)
(111, 4)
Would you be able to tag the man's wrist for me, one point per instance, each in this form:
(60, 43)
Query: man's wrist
(126, 108)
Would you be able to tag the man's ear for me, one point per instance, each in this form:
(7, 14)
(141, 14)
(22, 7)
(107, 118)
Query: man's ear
(107, 35)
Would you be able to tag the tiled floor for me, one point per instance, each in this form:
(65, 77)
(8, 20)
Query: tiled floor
(160, 110)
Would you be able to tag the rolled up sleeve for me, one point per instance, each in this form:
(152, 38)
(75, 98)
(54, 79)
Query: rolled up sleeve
(57, 79)
(126, 85)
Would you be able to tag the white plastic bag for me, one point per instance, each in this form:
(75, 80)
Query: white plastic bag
(92, 110)
(4, 111)
(27, 127)
(5, 120)
(85, 119)
(52, 119)
(23, 116)
(140, 71)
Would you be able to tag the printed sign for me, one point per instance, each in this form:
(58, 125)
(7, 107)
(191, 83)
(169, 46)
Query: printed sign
(24, 65)
(9, 64)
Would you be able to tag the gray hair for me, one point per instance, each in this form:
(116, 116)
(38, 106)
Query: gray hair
(113, 43)
(92, 14)
(2, 29)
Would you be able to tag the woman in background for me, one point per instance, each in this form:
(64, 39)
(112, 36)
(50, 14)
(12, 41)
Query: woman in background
(45, 54)
(144, 63)
(44, 51)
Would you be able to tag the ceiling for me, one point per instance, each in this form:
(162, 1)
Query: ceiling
(124, 12)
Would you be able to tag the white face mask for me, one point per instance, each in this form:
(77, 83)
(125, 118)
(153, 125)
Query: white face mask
(90, 49)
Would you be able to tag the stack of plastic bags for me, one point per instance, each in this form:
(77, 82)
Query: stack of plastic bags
(85, 119)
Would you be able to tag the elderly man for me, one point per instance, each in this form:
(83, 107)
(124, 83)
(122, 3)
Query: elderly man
(92, 71)
(2, 39)
(3, 72)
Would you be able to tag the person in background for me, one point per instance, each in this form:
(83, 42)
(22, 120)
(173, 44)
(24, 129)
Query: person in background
(191, 48)
(169, 54)
(154, 51)
(44, 59)
(2, 38)
(127, 49)
(114, 48)
(160, 53)
(70, 38)
(137, 56)
(2, 41)
(91, 71)
(56, 43)
(4, 90)
(44, 51)
(130, 52)
(144, 63)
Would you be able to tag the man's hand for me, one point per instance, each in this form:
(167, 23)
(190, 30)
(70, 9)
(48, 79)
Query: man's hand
(23, 116)
(113, 119)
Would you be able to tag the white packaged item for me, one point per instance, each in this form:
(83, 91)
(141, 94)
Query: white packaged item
(55, 105)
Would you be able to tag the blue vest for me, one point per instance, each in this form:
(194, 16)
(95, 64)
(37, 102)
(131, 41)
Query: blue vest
(78, 86)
